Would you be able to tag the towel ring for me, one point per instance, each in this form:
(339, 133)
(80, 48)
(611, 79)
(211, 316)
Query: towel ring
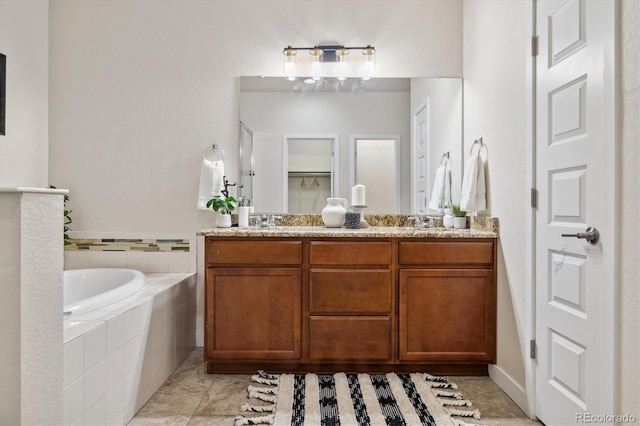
(482, 145)
(217, 149)
(446, 158)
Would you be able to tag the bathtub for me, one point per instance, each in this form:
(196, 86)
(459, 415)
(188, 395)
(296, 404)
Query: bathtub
(87, 290)
(117, 356)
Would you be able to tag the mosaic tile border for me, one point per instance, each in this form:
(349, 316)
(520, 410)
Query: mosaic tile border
(129, 244)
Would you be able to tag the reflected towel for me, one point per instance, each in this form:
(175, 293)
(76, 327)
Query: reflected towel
(439, 185)
(474, 194)
(211, 181)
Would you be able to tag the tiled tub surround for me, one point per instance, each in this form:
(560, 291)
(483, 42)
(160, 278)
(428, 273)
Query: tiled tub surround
(156, 253)
(117, 357)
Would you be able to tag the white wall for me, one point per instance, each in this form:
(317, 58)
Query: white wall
(139, 89)
(24, 39)
(629, 295)
(495, 109)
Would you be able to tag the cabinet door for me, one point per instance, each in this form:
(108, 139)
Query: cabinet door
(253, 313)
(447, 315)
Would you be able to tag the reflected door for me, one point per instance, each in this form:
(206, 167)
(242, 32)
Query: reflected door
(376, 167)
(310, 165)
(420, 167)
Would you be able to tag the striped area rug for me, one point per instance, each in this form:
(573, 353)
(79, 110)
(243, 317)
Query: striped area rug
(356, 400)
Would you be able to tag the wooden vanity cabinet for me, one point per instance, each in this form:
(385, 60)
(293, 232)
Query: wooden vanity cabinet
(447, 294)
(337, 304)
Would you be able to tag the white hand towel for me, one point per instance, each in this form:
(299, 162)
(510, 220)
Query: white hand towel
(446, 192)
(473, 196)
(438, 188)
(211, 181)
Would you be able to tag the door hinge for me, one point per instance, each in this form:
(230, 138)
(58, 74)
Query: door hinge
(534, 45)
(534, 198)
(532, 348)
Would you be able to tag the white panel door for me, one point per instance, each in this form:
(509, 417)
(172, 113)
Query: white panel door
(576, 182)
(421, 165)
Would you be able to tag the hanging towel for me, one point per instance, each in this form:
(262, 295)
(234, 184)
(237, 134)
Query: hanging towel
(474, 194)
(211, 181)
(438, 188)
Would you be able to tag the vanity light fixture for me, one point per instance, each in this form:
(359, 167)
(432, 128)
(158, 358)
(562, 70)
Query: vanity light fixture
(329, 61)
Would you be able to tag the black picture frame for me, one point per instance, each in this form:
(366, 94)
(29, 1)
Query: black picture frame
(3, 92)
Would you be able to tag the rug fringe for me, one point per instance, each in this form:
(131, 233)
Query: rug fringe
(259, 408)
(268, 394)
(266, 375)
(256, 394)
(432, 378)
(449, 399)
(454, 402)
(460, 422)
(265, 380)
(266, 420)
(464, 413)
(267, 391)
(448, 394)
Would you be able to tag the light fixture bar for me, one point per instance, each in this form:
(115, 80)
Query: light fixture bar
(315, 65)
(328, 52)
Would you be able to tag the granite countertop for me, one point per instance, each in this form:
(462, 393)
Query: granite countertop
(380, 226)
(370, 232)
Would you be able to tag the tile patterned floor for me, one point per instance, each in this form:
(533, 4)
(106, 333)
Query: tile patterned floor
(192, 397)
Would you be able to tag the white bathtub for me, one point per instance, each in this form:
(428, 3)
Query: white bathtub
(87, 290)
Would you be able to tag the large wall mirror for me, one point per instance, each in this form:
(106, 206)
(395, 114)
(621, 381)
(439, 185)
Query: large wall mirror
(311, 141)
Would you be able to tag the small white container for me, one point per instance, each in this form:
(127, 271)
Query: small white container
(460, 222)
(243, 217)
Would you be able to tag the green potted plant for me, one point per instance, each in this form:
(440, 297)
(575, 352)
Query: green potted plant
(459, 217)
(67, 219)
(224, 207)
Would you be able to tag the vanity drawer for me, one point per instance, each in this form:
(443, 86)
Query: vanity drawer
(470, 254)
(350, 253)
(362, 291)
(350, 338)
(253, 252)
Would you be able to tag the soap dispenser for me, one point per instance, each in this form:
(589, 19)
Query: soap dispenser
(447, 220)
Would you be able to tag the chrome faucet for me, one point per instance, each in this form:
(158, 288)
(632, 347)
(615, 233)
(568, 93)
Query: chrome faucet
(260, 220)
(418, 222)
(264, 221)
(272, 220)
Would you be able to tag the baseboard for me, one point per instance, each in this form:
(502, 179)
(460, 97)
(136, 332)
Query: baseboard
(509, 386)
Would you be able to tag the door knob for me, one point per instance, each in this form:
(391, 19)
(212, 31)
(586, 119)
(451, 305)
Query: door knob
(591, 234)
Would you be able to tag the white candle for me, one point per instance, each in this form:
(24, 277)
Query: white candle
(357, 195)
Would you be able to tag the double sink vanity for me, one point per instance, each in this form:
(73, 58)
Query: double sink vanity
(383, 298)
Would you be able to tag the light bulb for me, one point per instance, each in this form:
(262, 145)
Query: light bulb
(341, 68)
(289, 64)
(369, 66)
(316, 65)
